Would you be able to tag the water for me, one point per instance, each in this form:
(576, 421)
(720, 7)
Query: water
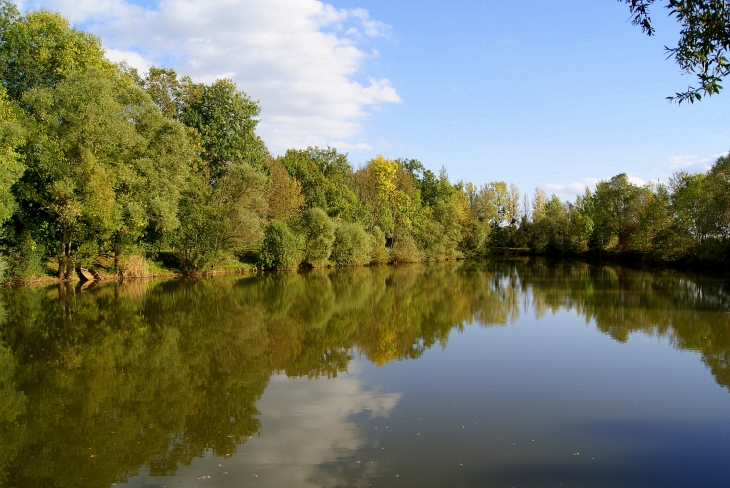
(509, 373)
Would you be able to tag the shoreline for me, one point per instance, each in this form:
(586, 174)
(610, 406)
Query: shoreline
(632, 261)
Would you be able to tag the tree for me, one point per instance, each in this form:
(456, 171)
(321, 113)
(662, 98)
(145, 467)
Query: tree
(690, 204)
(166, 90)
(104, 164)
(224, 116)
(617, 205)
(284, 193)
(11, 166)
(325, 177)
(79, 149)
(388, 195)
(352, 245)
(717, 197)
(319, 235)
(703, 43)
(282, 248)
(39, 49)
(222, 220)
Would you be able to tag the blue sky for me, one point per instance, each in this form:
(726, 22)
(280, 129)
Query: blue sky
(553, 94)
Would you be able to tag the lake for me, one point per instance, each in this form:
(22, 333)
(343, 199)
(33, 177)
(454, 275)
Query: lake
(507, 373)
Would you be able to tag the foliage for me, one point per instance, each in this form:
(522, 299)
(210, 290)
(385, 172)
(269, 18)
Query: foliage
(98, 160)
(380, 253)
(11, 165)
(352, 245)
(40, 49)
(225, 119)
(325, 177)
(228, 218)
(703, 45)
(319, 236)
(284, 193)
(105, 163)
(281, 248)
(405, 250)
(25, 259)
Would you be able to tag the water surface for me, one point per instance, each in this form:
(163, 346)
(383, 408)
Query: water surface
(509, 373)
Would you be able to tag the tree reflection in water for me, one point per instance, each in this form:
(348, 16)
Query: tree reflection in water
(96, 384)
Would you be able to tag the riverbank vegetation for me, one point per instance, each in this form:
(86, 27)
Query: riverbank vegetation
(142, 174)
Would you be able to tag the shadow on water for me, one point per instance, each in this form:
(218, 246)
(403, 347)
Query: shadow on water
(96, 384)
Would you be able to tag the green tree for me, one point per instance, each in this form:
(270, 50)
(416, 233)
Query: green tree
(325, 177)
(691, 205)
(319, 235)
(655, 220)
(106, 165)
(223, 220)
(80, 139)
(225, 118)
(352, 245)
(11, 164)
(39, 49)
(716, 195)
(282, 248)
(284, 193)
(166, 90)
(616, 205)
(704, 41)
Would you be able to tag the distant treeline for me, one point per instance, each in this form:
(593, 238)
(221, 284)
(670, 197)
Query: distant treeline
(101, 162)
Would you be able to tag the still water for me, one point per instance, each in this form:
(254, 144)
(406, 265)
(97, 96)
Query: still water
(514, 373)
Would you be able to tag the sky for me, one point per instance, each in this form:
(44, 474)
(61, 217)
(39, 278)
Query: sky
(557, 94)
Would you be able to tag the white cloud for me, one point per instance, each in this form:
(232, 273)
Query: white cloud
(132, 58)
(637, 181)
(308, 423)
(372, 27)
(692, 163)
(568, 191)
(300, 59)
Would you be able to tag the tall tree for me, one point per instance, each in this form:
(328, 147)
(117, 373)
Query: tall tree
(105, 163)
(11, 165)
(284, 193)
(617, 204)
(326, 178)
(225, 118)
(39, 49)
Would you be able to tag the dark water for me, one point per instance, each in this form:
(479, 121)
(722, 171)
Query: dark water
(506, 374)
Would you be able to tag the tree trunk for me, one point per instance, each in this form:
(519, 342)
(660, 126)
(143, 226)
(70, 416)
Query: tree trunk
(117, 241)
(62, 254)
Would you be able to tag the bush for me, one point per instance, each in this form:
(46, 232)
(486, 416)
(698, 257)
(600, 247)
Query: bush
(133, 266)
(3, 268)
(380, 254)
(282, 249)
(25, 260)
(352, 245)
(406, 251)
(319, 232)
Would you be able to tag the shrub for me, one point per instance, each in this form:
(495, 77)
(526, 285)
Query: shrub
(282, 248)
(352, 245)
(24, 260)
(3, 268)
(133, 266)
(319, 232)
(406, 251)
(380, 254)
